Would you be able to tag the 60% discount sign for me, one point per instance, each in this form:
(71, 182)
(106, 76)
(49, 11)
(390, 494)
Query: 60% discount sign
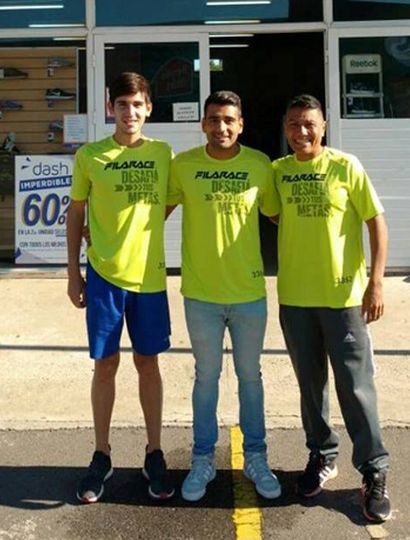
(48, 210)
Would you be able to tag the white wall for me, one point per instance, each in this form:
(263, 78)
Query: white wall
(383, 146)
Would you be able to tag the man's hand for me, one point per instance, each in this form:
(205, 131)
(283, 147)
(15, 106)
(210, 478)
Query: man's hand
(87, 235)
(76, 290)
(373, 305)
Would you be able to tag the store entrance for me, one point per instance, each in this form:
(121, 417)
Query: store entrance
(266, 70)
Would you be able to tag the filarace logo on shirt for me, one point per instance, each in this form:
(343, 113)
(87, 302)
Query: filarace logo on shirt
(304, 177)
(226, 175)
(115, 165)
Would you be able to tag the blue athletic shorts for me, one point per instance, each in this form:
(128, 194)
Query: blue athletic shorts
(146, 315)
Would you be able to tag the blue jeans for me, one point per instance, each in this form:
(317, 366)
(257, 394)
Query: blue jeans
(206, 324)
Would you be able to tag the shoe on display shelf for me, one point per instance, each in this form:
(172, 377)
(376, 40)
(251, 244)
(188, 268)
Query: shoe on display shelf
(10, 105)
(56, 125)
(9, 144)
(58, 93)
(59, 62)
(361, 88)
(12, 73)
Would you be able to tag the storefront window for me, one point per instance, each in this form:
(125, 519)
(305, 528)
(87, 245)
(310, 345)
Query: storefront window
(375, 77)
(34, 14)
(42, 85)
(375, 10)
(180, 12)
(171, 68)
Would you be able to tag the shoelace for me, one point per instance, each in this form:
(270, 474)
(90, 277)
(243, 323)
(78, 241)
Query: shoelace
(261, 467)
(376, 485)
(200, 467)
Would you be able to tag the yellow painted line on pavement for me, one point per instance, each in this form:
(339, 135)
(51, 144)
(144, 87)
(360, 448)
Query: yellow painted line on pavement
(247, 517)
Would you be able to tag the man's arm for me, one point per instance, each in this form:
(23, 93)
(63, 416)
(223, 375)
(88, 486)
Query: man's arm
(373, 304)
(75, 223)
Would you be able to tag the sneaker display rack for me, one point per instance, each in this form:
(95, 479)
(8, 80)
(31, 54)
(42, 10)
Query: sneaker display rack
(362, 86)
(32, 104)
(30, 123)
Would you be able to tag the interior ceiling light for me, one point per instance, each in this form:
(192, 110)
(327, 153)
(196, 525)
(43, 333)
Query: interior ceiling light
(242, 21)
(55, 25)
(239, 3)
(69, 39)
(34, 6)
(228, 45)
(213, 36)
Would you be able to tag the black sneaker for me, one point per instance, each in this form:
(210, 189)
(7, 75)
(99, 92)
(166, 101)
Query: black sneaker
(91, 486)
(318, 471)
(58, 93)
(376, 503)
(12, 73)
(155, 471)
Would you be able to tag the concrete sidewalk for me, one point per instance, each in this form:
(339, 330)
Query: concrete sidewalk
(45, 370)
(45, 374)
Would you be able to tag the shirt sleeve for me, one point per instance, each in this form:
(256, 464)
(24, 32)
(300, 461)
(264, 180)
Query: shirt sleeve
(276, 202)
(266, 198)
(81, 183)
(362, 194)
(175, 194)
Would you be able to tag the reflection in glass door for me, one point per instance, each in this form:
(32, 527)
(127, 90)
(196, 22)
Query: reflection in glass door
(171, 63)
(177, 67)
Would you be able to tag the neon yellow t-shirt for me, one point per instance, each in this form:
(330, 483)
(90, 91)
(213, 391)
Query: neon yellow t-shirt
(221, 259)
(125, 189)
(322, 203)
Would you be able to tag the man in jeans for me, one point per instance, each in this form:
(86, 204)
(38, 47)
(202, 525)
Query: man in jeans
(122, 181)
(221, 187)
(323, 197)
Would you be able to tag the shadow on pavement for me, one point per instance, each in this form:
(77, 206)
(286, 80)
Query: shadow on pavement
(47, 488)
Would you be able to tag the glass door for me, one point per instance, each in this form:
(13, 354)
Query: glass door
(177, 66)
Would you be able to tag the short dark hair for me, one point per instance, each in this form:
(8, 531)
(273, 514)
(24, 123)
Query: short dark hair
(223, 97)
(128, 83)
(304, 101)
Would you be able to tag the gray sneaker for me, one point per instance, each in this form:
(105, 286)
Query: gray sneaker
(59, 62)
(202, 472)
(257, 469)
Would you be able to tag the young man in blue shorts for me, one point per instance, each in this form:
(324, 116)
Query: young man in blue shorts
(121, 182)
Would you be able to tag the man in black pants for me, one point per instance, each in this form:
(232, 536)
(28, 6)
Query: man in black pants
(326, 300)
